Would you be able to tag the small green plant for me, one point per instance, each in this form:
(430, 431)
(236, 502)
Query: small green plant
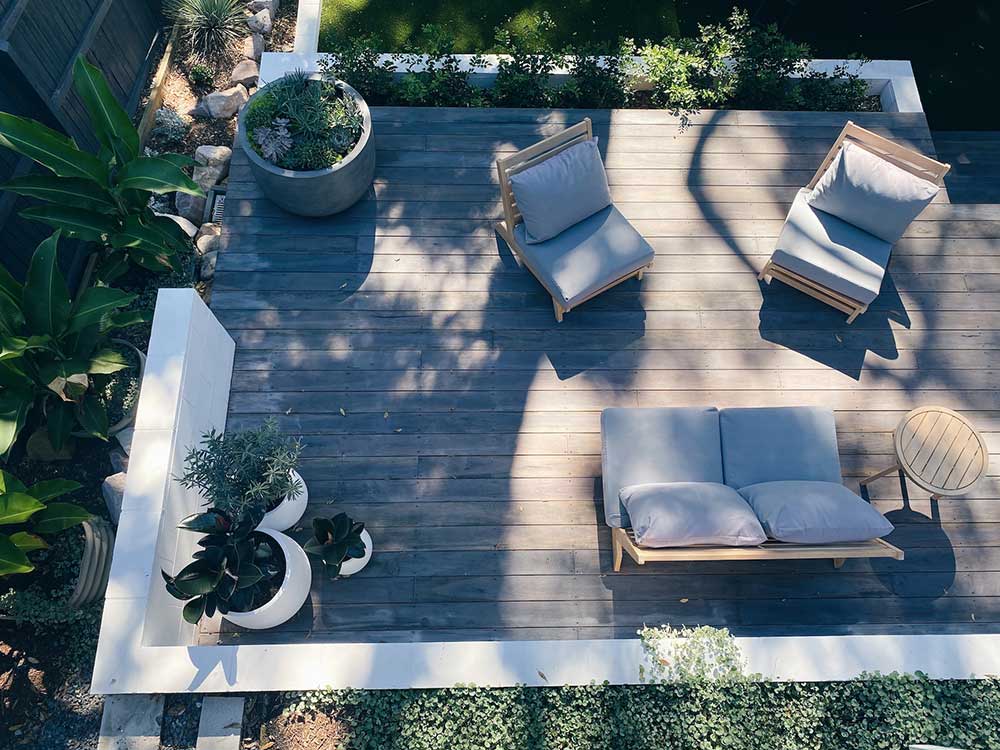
(55, 352)
(244, 474)
(690, 655)
(357, 61)
(200, 76)
(209, 26)
(599, 76)
(169, 127)
(335, 541)
(237, 568)
(529, 59)
(27, 514)
(434, 75)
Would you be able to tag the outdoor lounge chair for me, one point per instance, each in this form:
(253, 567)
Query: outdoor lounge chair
(699, 483)
(838, 236)
(586, 245)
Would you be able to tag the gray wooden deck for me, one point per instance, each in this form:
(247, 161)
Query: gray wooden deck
(468, 440)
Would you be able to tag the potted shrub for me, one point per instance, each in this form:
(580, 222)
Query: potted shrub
(247, 473)
(343, 544)
(310, 144)
(254, 577)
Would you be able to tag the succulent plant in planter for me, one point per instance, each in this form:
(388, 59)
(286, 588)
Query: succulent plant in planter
(339, 541)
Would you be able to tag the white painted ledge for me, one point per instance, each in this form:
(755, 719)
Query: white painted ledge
(891, 80)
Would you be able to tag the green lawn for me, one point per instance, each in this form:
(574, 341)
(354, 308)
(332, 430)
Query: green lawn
(397, 22)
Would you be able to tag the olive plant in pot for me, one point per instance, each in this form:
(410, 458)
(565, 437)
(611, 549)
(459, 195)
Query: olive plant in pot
(249, 473)
(341, 543)
(254, 577)
(310, 144)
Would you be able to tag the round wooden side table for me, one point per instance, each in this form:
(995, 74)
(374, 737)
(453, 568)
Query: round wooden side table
(938, 450)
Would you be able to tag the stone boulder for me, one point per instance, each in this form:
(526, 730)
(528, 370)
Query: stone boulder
(260, 22)
(192, 208)
(207, 267)
(222, 105)
(253, 47)
(255, 6)
(208, 229)
(213, 156)
(207, 177)
(208, 243)
(245, 73)
(113, 490)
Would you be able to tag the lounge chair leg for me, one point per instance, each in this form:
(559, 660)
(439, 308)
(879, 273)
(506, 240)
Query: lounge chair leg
(838, 562)
(857, 311)
(879, 475)
(616, 551)
(558, 310)
(764, 275)
(639, 273)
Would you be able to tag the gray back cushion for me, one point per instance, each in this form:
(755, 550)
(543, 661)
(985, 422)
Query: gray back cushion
(684, 514)
(561, 191)
(871, 193)
(780, 442)
(646, 446)
(814, 513)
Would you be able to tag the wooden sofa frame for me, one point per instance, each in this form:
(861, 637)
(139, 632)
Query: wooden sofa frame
(904, 158)
(530, 157)
(623, 541)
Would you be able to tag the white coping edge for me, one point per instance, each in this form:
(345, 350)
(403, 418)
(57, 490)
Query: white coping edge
(891, 80)
(293, 667)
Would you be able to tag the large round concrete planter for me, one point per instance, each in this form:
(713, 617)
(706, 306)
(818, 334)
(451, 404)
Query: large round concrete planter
(292, 593)
(289, 510)
(318, 192)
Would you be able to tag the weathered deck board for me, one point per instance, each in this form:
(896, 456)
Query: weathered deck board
(469, 440)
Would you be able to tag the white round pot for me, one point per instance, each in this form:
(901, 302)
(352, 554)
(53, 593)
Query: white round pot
(292, 593)
(289, 510)
(356, 564)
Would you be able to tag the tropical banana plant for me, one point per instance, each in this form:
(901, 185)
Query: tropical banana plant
(52, 348)
(26, 514)
(103, 197)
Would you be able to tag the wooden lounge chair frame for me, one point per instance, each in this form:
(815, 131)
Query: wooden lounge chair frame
(623, 541)
(904, 158)
(530, 157)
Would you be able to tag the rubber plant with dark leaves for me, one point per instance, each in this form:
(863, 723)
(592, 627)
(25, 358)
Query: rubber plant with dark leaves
(27, 515)
(54, 354)
(102, 197)
(335, 541)
(237, 568)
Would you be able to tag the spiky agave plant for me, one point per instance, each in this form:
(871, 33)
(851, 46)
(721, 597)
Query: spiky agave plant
(210, 26)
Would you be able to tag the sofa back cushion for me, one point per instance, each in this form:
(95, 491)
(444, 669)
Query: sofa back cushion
(646, 446)
(871, 193)
(561, 191)
(685, 514)
(771, 444)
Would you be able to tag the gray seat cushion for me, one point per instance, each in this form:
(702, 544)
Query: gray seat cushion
(685, 514)
(561, 191)
(586, 257)
(771, 444)
(814, 513)
(871, 193)
(647, 446)
(831, 252)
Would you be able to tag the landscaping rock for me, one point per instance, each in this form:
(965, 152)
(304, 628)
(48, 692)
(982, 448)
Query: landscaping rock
(207, 177)
(208, 229)
(257, 5)
(192, 208)
(119, 460)
(113, 490)
(213, 156)
(208, 243)
(245, 72)
(124, 438)
(260, 22)
(222, 105)
(207, 268)
(189, 226)
(253, 47)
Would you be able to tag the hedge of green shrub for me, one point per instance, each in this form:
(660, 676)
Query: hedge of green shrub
(878, 713)
(729, 65)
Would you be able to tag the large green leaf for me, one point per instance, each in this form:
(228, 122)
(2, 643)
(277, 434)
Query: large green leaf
(15, 403)
(111, 123)
(157, 176)
(58, 517)
(95, 303)
(127, 318)
(10, 483)
(162, 260)
(76, 222)
(11, 318)
(66, 191)
(10, 288)
(51, 149)
(93, 417)
(59, 423)
(50, 489)
(26, 541)
(173, 235)
(107, 361)
(194, 610)
(18, 507)
(12, 559)
(12, 347)
(198, 578)
(46, 301)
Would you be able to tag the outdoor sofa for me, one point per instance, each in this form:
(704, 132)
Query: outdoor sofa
(559, 220)
(836, 241)
(700, 483)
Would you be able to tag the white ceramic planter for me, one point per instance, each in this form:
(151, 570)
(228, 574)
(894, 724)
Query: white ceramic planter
(289, 511)
(353, 566)
(292, 593)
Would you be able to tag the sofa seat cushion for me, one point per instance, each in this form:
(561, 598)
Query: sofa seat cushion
(587, 257)
(685, 514)
(768, 444)
(814, 513)
(871, 193)
(831, 252)
(643, 446)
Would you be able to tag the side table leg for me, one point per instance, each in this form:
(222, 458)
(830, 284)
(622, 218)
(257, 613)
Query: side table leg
(879, 475)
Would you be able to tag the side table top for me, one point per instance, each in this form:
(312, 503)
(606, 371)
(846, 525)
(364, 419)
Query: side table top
(940, 450)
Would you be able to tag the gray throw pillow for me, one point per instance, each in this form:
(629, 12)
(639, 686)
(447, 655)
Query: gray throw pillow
(561, 191)
(684, 514)
(814, 513)
(871, 193)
